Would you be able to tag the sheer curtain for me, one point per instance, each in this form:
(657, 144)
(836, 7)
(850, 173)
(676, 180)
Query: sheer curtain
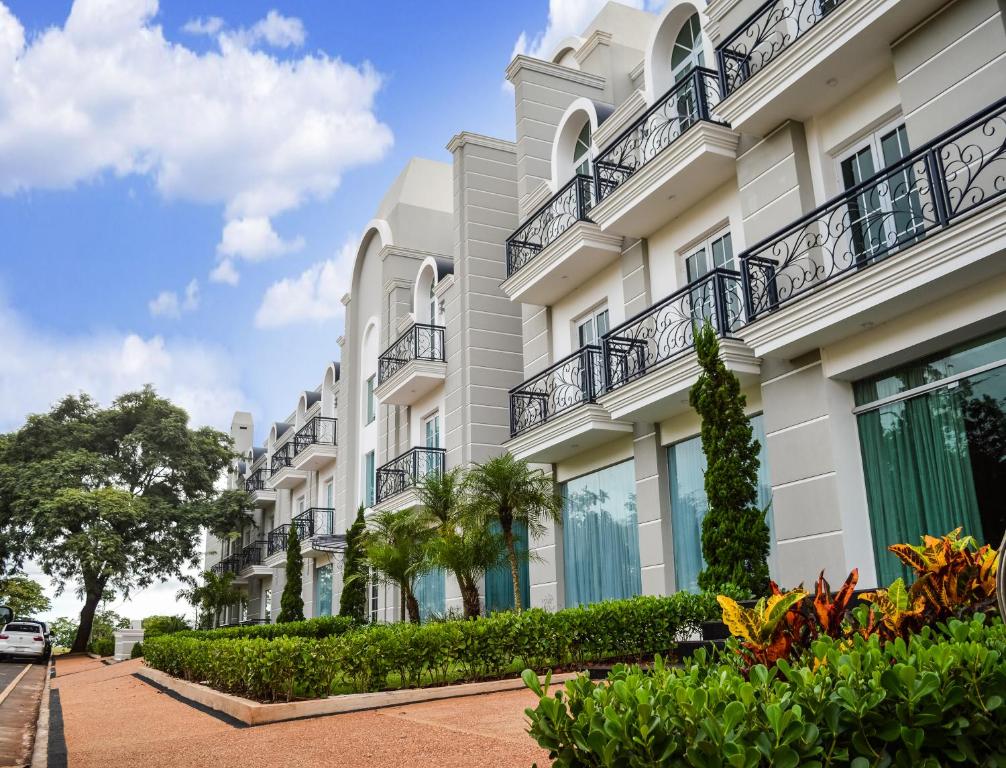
(689, 504)
(600, 536)
(323, 590)
(499, 581)
(430, 593)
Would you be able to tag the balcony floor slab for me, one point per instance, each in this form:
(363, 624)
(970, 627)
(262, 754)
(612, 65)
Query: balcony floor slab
(567, 434)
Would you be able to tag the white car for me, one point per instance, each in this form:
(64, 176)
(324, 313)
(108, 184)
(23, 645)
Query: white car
(22, 638)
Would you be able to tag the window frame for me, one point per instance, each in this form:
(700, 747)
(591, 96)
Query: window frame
(370, 413)
(590, 317)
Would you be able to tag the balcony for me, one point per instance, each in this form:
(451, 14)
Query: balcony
(257, 485)
(921, 229)
(556, 241)
(316, 529)
(649, 368)
(314, 445)
(396, 480)
(554, 415)
(678, 152)
(283, 474)
(792, 59)
(230, 564)
(413, 366)
(277, 539)
(251, 559)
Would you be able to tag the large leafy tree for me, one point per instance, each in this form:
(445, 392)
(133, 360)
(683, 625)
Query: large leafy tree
(113, 497)
(467, 551)
(396, 542)
(507, 491)
(291, 603)
(23, 595)
(353, 598)
(735, 537)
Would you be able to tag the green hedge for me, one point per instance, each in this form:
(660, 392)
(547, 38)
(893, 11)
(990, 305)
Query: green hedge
(936, 700)
(323, 626)
(430, 654)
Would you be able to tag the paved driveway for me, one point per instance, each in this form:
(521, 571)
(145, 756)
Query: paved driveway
(113, 719)
(19, 711)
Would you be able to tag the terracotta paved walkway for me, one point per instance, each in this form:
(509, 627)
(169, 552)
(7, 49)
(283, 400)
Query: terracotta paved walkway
(114, 720)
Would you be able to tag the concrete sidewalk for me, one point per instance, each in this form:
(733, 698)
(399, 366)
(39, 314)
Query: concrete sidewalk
(113, 719)
(19, 710)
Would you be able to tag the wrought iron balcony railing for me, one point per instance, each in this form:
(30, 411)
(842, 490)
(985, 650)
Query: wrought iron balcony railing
(253, 554)
(316, 521)
(766, 33)
(421, 341)
(257, 479)
(277, 538)
(572, 381)
(950, 178)
(403, 472)
(282, 457)
(319, 430)
(666, 330)
(230, 564)
(566, 207)
(689, 101)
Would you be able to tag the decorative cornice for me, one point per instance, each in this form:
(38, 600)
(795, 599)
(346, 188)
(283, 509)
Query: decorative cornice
(410, 253)
(598, 37)
(479, 140)
(521, 61)
(623, 116)
(443, 286)
(637, 71)
(536, 198)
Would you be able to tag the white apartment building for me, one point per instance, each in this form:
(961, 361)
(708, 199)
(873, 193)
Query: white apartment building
(821, 180)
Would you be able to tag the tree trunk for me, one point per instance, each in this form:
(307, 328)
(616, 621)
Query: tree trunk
(511, 551)
(470, 597)
(94, 591)
(413, 605)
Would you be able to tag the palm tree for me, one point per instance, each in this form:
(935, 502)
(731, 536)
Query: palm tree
(212, 596)
(467, 551)
(505, 490)
(396, 546)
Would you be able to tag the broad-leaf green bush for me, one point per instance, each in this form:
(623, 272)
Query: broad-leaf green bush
(284, 666)
(323, 626)
(933, 700)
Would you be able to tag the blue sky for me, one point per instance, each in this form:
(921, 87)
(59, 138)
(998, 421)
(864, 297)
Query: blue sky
(182, 183)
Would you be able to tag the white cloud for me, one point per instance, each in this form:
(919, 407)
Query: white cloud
(238, 127)
(224, 272)
(275, 30)
(254, 239)
(313, 296)
(41, 368)
(167, 303)
(209, 26)
(568, 18)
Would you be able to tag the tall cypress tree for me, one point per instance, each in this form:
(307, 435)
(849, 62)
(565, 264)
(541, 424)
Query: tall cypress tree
(735, 537)
(291, 605)
(353, 600)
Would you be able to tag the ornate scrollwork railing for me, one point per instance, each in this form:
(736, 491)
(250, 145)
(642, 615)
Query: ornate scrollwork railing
(667, 329)
(277, 539)
(257, 479)
(766, 33)
(230, 564)
(421, 341)
(948, 179)
(566, 207)
(253, 554)
(690, 100)
(316, 521)
(403, 472)
(282, 457)
(569, 383)
(319, 430)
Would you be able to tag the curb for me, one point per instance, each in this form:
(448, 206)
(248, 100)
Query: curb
(248, 712)
(40, 750)
(13, 683)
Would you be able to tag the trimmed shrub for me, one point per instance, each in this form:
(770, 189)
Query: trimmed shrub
(104, 646)
(322, 626)
(287, 666)
(137, 652)
(933, 700)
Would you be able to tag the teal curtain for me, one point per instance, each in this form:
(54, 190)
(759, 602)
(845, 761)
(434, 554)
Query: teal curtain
(323, 591)
(917, 465)
(430, 594)
(600, 536)
(499, 581)
(689, 504)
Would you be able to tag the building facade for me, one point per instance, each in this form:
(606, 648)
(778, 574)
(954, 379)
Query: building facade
(820, 180)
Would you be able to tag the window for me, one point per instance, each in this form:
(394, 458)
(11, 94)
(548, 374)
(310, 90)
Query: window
(431, 431)
(600, 536)
(581, 151)
(687, 51)
(433, 303)
(499, 579)
(717, 252)
(687, 464)
(368, 479)
(931, 434)
(323, 591)
(888, 213)
(430, 593)
(374, 595)
(591, 328)
(301, 503)
(371, 412)
(329, 494)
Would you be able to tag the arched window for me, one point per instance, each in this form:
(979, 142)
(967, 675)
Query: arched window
(581, 151)
(433, 303)
(687, 51)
